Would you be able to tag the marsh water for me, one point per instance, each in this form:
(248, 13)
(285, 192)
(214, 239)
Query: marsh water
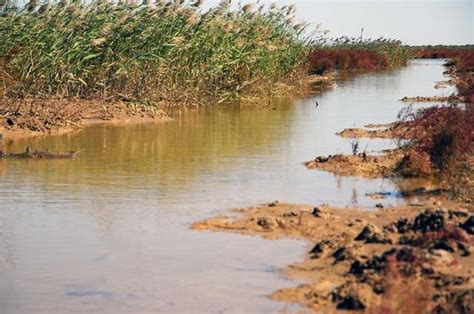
(109, 231)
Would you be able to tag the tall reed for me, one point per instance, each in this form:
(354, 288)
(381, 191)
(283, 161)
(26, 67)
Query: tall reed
(168, 50)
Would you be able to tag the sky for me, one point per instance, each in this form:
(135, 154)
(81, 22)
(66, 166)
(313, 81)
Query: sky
(415, 22)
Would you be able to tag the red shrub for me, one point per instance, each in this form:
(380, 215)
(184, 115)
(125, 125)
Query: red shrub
(325, 60)
(446, 134)
(464, 69)
(448, 232)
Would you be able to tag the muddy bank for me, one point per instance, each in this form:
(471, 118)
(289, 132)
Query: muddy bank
(364, 165)
(40, 154)
(55, 116)
(37, 117)
(450, 99)
(367, 259)
(396, 130)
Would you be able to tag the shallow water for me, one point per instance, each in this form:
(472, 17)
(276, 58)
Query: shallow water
(109, 231)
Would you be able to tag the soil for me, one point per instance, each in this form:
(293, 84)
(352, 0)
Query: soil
(363, 165)
(394, 260)
(318, 83)
(450, 99)
(37, 117)
(444, 84)
(392, 130)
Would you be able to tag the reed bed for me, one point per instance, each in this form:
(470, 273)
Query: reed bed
(163, 51)
(358, 54)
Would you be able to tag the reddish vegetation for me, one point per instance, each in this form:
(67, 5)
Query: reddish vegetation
(444, 137)
(462, 66)
(324, 60)
(447, 233)
(439, 52)
(445, 134)
(444, 141)
(464, 69)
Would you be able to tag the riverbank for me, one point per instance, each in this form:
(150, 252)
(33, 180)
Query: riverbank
(366, 259)
(35, 117)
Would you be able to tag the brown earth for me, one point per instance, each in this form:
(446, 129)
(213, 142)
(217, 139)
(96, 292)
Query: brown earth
(432, 99)
(37, 117)
(363, 165)
(397, 260)
(392, 130)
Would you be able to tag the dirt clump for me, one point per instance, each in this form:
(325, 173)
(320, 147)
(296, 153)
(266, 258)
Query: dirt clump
(451, 99)
(368, 166)
(394, 130)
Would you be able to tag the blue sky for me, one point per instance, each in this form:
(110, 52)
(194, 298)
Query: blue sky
(415, 22)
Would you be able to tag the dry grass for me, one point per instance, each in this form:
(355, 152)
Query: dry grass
(170, 50)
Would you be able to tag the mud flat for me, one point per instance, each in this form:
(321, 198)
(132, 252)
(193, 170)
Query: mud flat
(391, 131)
(407, 259)
(450, 99)
(367, 166)
(38, 117)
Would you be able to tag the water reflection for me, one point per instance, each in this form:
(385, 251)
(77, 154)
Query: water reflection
(171, 153)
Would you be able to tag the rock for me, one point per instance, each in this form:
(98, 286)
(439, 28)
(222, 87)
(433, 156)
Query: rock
(371, 234)
(322, 159)
(403, 254)
(443, 245)
(264, 223)
(379, 205)
(442, 280)
(457, 213)
(341, 254)
(379, 263)
(427, 271)
(462, 300)
(9, 122)
(468, 225)
(273, 204)
(357, 268)
(428, 221)
(378, 288)
(464, 250)
(402, 225)
(350, 303)
(316, 212)
(319, 248)
(368, 231)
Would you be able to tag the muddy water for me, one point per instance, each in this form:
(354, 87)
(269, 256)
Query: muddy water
(108, 232)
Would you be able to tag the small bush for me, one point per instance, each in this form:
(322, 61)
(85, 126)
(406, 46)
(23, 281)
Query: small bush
(442, 140)
(354, 146)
